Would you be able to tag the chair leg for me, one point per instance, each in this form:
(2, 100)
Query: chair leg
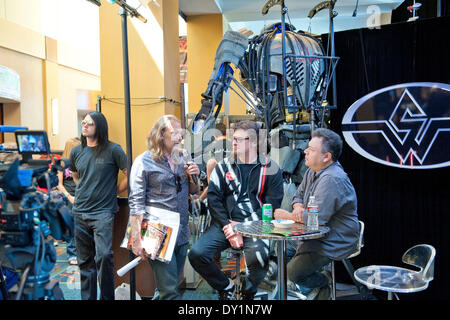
(237, 281)
(333, 280)
(362, 289)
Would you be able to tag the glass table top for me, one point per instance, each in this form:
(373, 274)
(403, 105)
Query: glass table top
(391, 279)
(266, 230)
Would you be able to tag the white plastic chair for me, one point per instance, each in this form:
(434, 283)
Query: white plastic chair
(400, 280)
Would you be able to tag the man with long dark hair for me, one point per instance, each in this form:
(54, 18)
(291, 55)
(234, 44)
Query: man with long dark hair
(95, 165)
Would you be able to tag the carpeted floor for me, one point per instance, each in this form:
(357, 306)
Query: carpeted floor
(68, 276)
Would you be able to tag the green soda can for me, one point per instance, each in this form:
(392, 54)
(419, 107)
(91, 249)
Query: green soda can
(267, 215)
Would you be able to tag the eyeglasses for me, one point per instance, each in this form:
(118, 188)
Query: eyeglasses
(239, 139)
(88, 123)
(178, 183)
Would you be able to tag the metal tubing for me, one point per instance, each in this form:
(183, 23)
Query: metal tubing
(126, 81)
(281, 260)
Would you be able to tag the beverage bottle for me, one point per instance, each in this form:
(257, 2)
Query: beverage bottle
(312, 223)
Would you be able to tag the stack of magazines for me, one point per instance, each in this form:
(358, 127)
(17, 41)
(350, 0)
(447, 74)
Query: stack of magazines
(155, 239)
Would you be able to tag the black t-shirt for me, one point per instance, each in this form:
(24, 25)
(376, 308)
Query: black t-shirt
(96, 190)
(68, 182)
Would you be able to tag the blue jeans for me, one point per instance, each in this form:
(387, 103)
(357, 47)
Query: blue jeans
(93, 239)
(71, 248)
(304, 270)
(201, 256)
(167, 275)
(70, 243)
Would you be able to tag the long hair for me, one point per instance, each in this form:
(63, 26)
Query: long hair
(155, 139)
(101, 133)
(70, 144)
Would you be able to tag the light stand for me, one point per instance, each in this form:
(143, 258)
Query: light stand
(126, 9)
(126, 85)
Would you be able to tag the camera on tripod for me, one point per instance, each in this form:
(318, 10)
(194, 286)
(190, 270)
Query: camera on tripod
(29, 215)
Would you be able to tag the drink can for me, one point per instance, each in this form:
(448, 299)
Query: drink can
(267, 214)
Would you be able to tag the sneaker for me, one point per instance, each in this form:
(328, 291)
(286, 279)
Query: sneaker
(247, 295)
(227, 294)
(73, 261)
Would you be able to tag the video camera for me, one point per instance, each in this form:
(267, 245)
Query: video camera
(28, 216)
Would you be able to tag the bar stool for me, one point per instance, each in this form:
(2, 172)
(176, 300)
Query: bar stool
(238, 254)
(348, 265)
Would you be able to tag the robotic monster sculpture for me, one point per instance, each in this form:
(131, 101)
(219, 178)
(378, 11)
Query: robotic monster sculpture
(284, 80)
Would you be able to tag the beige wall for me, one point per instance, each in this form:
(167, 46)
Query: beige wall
(53, 59)
(30, 71)
(153, 70)
(70, 83)
(204, 33)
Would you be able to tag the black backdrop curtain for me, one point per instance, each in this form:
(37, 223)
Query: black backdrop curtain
(400, 207)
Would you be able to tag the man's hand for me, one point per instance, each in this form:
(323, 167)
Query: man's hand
(191, 169)
(136, 244)
(236, 240)
(295, 215)
(298, 212)
(137, 248)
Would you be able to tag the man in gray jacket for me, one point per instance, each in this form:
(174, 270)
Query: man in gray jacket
(326, 180)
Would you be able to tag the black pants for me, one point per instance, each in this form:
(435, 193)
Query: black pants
(93, 239)
(213, 241)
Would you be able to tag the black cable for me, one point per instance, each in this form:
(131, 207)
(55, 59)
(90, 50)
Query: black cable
(143, 104)
(356, 9)
(23, 279)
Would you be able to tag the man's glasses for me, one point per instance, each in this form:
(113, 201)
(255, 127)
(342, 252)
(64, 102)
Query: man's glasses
(239, 139)
(87, 123)
(178, 183)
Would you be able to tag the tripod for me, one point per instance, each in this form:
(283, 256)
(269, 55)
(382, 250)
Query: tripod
(34, 264)
(3, 285)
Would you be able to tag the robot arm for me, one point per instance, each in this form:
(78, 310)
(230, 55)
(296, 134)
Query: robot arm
(231, 50)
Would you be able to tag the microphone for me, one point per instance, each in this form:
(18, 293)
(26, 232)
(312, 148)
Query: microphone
(194, 178)
(182, 155)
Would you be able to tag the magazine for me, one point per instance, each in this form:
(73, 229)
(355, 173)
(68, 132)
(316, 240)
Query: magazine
(159, 230)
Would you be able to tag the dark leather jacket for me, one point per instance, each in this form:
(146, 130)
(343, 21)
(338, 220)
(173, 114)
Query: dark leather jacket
(265, 185)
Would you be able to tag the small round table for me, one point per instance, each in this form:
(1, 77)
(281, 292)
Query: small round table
(263, 230)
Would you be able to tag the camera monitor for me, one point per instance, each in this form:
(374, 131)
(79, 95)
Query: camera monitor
(31, 142)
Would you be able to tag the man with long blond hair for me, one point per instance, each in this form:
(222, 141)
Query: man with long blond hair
(160, 179)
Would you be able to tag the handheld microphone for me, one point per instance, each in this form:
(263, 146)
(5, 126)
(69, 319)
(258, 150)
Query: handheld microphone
(194, 178)
(182, 155)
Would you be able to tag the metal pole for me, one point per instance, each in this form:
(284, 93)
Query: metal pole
(126, 82)
(282, 277)
(332, 50)
(99, 104)
(285, 82)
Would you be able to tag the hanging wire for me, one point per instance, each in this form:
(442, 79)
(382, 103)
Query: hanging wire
(160, 100)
